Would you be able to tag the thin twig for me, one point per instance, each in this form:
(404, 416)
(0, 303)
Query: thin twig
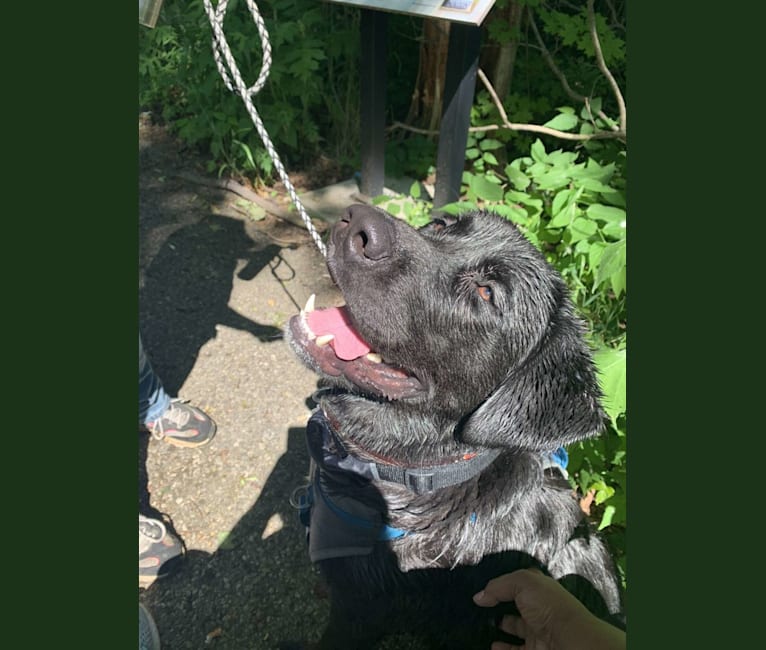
(615, 20)
(562, 77)
(617, 132)
(552, 64)
(604, 70)
(535, 127)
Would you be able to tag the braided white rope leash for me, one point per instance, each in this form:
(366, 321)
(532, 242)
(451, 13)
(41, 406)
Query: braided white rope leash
(232, 77)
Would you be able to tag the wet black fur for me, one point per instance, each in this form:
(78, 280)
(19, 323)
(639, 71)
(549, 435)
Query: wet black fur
(513, 373)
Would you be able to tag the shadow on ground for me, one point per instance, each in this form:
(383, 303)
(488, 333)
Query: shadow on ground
(258, 588)
(215, 291)
(187, 289)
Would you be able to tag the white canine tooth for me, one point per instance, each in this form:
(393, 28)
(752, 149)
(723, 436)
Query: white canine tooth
(323, 340)
(374, 357)
(310, 304)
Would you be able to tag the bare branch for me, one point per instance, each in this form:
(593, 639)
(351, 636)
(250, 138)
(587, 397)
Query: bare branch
(582, 137)
(615, 20)
(493, 95)
(618, 131)
(563, 135)
(552, 64)
(535, 128)
(413, 129)
(604, 70)
(561, 77)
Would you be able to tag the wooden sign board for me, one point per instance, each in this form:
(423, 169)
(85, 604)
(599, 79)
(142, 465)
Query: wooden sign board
(461, 11)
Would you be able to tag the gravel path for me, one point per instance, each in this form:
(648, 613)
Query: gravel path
(216, 287)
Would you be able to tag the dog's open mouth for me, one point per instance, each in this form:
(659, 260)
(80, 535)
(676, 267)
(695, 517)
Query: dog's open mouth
(337, 349)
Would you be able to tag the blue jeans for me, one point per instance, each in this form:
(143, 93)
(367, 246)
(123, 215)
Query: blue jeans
(153, 401)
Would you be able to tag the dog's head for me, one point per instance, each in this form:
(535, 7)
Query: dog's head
(461, 323)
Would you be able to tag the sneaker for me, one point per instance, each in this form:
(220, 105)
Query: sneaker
(148, 636)
(183, 425)
(158, 551)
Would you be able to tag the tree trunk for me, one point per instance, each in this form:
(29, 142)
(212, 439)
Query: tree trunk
(500, 59)
(426, 104)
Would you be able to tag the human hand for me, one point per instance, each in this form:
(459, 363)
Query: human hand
(550, 618)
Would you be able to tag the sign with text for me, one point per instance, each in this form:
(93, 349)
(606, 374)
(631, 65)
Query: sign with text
(461, 11)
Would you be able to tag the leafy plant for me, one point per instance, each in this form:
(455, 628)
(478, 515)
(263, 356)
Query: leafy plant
(572, 207)
(308, 103)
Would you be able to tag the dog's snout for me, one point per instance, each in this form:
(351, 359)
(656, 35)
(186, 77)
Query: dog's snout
(365, 232)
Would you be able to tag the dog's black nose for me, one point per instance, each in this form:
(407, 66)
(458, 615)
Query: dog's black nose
(365, 232)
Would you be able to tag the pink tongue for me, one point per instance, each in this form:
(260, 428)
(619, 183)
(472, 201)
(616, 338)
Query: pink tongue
(347, 344)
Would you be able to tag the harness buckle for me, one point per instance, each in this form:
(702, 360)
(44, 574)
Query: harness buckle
(302, 499)
(419, 481)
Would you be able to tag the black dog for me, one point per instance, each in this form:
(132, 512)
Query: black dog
(453, 374)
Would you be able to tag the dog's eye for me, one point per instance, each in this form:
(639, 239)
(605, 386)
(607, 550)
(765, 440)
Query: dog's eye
(485, 293)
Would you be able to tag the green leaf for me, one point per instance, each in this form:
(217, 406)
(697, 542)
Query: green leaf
(472, 153)
(603, 493)
(606, 519)
(596, 251)
(564, 217)
(512, 213)
(525, 199)
(538, 169)
(561, 158)
(612, 260)
(583, 247)
(559, 201)
(618, 281)
(606, 213)
(459, 206)
(488, 144)
(614, 197)
(518, 179)
(595, 171)
(489, 158)
(614, 230)
(486, 189)
(595, 186)
(415, 190)
(538, 152)
(562, 122)
(582, 229)
(553, 179)
(612, 372)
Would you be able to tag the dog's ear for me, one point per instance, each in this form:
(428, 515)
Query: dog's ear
(438, 223)
(550, 400)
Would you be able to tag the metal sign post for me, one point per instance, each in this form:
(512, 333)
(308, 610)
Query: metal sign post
(462, 63)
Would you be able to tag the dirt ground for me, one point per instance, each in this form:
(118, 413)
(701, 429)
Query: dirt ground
(216, 287)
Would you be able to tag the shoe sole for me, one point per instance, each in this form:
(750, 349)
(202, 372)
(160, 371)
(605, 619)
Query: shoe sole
(188, 444)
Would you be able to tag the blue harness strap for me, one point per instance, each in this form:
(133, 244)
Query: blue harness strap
(385, 532)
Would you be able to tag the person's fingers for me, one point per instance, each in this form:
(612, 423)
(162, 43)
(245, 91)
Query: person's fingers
(504, 588)
(514, 625)
(484, 599)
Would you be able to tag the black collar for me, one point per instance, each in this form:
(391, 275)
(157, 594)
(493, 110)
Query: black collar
(328, 450)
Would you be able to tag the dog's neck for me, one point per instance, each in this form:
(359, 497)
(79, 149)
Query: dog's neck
(427, 438)
(330, 448)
